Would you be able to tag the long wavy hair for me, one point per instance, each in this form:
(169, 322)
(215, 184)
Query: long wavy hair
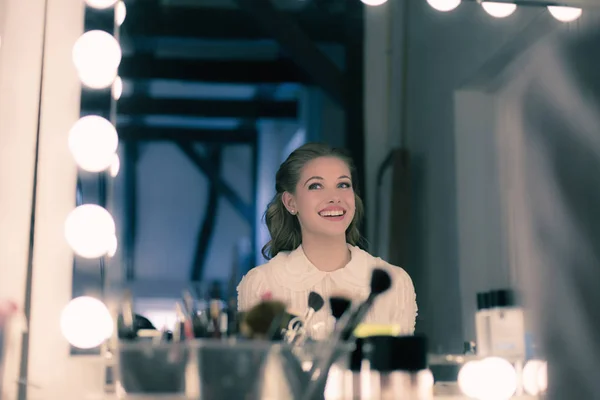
(284, 227)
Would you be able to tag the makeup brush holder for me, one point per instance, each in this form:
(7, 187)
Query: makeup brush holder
(213, 370)
(148, 369)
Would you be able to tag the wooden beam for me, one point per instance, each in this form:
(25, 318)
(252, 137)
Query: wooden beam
(205, 233)
(150, 133)
(197, 108)
(224, 189)
(298, 46)
(222, 71)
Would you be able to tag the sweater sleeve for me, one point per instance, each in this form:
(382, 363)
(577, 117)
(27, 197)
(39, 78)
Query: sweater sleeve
(251, 289)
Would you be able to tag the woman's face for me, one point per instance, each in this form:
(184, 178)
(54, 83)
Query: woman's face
(324, 199)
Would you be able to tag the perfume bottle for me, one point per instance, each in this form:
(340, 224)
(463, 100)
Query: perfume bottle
(507, 325)
(482, 324)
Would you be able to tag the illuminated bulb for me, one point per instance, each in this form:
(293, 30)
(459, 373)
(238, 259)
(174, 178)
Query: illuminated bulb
(120, 13)
(532, 372)
(444, 5)
(499, 379)
(100, 4)
(565, 14)
(115, 166)
(97, 55)
(93, 141)
(97, 79)
(469, 379)
(499, 10)
(112, 249)
(117, 88)
(89, 230)
(86, 322)
(542, 377)
(373, 2)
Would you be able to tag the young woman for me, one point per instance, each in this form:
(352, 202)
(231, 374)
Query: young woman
(313, 221)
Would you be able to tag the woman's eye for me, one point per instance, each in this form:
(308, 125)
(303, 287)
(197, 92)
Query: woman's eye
(345, 185)
(314, 186)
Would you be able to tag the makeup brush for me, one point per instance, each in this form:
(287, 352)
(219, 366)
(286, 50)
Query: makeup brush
(339, 305)
(315, 303)
(198, 326)
(257, 322)
(380, 282)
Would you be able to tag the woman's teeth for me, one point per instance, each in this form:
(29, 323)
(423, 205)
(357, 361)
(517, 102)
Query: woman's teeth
(331, 213)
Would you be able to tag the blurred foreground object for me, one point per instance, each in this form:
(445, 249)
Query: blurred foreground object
(552, 150)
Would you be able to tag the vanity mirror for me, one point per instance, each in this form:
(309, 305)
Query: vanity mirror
(189, 107)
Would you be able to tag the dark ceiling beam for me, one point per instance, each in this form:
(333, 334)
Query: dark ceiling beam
(214, 23)
(182, 135)
(219, 71)
(198, 108)
(204, 164)
(298, 46)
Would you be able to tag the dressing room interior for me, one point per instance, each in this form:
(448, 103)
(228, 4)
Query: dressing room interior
(299, 199)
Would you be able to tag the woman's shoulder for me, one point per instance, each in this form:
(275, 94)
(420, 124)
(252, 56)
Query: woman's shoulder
(261, 272)
(398, 274)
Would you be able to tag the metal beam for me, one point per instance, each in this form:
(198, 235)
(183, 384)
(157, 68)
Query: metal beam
(214, 23)
(182, 135)
(224, 189)
(222, 71)
(354, 93)
(205, 233)
(196, 108)
(298, 46)
(130, 184)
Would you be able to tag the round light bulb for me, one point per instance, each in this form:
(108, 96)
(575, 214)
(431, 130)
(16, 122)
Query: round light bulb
(97, 55)
(113, 245)
(499, 10)
(93, 141)
(498, 378)
(100, 4)
(444, 5)
(89, 230)
(469, 379)
(115, 166)
(117, 88)
(120, 13)
(374, 2)
(531, 373)
(565, 14)
(98, 79)
(86, 322)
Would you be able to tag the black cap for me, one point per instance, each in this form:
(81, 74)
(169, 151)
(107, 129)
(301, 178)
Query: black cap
(396, 353)
(483, 300)
(502, 298)
(356, 356)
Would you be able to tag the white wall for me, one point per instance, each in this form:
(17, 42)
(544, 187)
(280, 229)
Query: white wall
(446, 50)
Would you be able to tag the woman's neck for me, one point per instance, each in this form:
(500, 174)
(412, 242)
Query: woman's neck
(326, 254)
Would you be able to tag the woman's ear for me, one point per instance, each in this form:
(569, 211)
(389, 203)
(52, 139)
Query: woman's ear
(289, 202)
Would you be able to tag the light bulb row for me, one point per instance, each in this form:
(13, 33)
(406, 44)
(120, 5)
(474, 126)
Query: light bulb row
(496, 378)
(503, 10)
(93, 141)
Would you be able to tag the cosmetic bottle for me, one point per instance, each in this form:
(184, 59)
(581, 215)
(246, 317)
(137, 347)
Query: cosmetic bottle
(398, 368)
(482, 324)
(507, 325)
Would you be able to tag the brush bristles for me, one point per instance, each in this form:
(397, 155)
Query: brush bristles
(339, 305)
(315, 301)
(380, 281)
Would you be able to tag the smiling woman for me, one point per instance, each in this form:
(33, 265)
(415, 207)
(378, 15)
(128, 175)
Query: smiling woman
(313, 220)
